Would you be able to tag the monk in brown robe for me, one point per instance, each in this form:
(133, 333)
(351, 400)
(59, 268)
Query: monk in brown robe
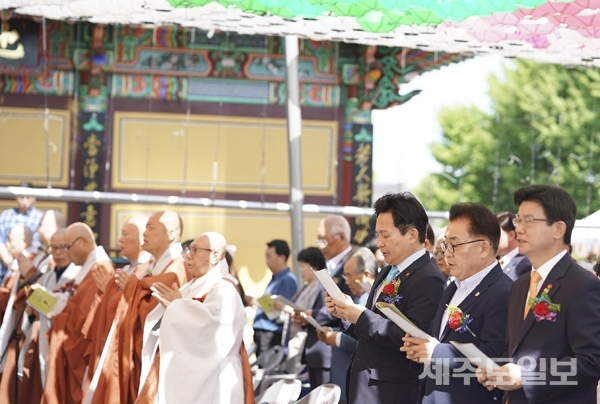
(100, 324)
(66, 364)
(162, 240)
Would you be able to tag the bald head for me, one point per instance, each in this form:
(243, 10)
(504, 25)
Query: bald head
(217, 243)
(19, 239)
(207, 250)
(51, 221)
(163, 229)
(79, 237)
(139, 221)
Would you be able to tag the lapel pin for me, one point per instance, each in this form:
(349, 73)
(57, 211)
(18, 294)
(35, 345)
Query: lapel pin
(477, 294)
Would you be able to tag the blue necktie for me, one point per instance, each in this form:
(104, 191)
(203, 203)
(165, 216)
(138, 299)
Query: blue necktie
(392, 274)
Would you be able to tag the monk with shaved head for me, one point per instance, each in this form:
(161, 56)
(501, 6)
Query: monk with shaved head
(201, 325)
(101, 379)
(66, 362)
(161, 238)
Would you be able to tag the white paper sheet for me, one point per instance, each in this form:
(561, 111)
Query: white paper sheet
(312, 321)
(330, 285)
(401, 320)
(286, 302)
(475, 355)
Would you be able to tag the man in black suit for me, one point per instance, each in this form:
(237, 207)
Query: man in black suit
(379, 372)
(333, 239)
(513, 263)
(480, 290)
(552, 338)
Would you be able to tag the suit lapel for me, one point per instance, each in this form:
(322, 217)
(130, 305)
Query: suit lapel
(553, 279)
(380, 277)
(437, 320)
(474, 296)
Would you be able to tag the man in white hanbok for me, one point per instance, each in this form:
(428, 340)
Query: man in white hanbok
(200, 331)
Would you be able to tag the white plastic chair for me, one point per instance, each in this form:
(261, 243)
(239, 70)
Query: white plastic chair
(265, 363)
(284, 391)
(324, 394)
(288, 369)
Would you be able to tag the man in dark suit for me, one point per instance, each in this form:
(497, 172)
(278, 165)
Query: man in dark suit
(480, 290)
(379, 372)
(553, 338)
(513, 263)
(333, 239)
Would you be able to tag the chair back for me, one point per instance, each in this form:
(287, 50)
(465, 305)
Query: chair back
(324, 394)
(285, 391)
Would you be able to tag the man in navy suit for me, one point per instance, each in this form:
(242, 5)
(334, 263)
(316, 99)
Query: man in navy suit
(379, 372)
(513, 263)
(553, 338)
(480, 290)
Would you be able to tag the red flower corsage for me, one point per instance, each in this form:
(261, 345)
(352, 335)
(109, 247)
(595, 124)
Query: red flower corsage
(543, 307)
(68, 287)
(457, 320)
(390, 290)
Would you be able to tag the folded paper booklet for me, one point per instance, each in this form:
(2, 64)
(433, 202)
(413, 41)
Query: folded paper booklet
(475, 355)
(46, 302)
(401, 320)
(289, 305)
(330, 286)
(311, 320)
(266, 303)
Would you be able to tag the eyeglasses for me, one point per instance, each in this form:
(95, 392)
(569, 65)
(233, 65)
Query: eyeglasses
(527, 220)
(322, 243)
(445, 246)
(57, 248)
(438, 253)
(191, 250)
(68, 246)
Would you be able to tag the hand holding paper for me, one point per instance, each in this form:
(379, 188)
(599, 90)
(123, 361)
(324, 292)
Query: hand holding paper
(344, 309)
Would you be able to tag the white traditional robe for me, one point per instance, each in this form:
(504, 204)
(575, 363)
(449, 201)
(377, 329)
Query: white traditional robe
(199, 343)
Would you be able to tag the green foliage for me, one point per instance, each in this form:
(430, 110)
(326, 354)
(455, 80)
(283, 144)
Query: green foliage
(543, 130)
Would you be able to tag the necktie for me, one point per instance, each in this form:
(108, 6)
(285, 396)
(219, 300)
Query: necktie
(535, 278)
(392, 274)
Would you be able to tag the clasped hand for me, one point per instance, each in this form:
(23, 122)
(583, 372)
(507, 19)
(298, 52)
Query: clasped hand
(164, 294)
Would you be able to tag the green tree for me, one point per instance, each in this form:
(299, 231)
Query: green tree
(543, 130)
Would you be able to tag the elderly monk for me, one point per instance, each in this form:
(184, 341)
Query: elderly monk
(200, 332)
(62, 272)
(102, 325)
(66, 364)
(162, 240)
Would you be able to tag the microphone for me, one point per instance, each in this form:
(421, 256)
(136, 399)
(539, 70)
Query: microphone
(31, 280)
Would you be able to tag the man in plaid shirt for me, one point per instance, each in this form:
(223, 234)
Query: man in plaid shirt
(26, 214)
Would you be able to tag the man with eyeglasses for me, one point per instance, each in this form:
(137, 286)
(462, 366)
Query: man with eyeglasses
(379, 372)
(201, 327)
(68, 343)
(554, 311)
(57, 268)
(162, 239)
(34, 364)
(480, 290)
(513, 263)
(267, 329)
(100, 383)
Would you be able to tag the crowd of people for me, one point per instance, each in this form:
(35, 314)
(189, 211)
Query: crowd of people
(168, 327)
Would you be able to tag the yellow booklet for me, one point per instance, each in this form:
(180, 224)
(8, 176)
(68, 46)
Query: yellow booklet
(45, 302)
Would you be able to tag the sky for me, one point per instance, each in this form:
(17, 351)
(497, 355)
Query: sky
(403, 134)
